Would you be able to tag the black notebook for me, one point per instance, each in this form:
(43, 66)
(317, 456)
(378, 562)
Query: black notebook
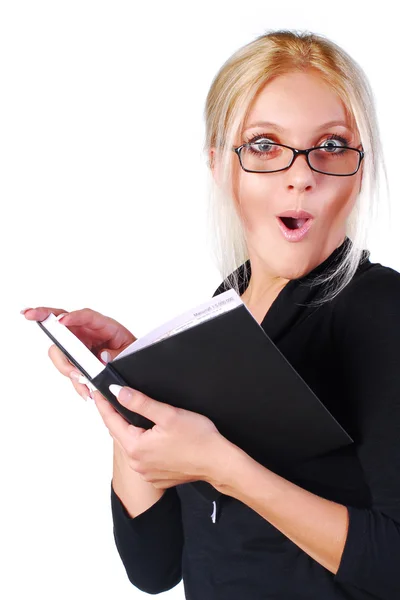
(218, 361)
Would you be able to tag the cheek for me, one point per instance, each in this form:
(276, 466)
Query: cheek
(336, 197)
(344, 203)
(252, 197)
(338, 210)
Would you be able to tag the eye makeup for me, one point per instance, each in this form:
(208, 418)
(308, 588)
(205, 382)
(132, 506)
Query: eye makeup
(273, 138)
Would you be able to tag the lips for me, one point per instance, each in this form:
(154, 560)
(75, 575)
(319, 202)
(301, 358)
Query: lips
(296, 214)
(294, 230)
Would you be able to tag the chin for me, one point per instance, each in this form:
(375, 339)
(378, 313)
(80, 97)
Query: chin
(293, 263)
(293, 274)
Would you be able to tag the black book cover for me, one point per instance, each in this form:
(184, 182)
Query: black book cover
(228, 369)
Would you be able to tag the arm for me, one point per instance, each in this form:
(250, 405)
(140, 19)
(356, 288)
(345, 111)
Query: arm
(366, 333)
(135, 494)
(318, 526)
(360, 546)
(147, 529)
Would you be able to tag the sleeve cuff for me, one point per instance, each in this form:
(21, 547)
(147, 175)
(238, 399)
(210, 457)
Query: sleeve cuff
(351, 561)
(165, 504)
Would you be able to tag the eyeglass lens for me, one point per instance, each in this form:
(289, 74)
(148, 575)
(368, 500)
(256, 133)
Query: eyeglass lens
(334, 160)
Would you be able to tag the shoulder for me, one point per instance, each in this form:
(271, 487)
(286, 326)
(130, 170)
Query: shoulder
(373, 292)
(365, 324)
(365, 333)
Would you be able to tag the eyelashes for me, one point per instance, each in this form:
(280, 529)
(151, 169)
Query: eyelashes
(270, 137)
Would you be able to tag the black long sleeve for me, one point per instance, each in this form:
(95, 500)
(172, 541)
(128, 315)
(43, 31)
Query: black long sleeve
(150, 545)
(348, 352)
(367, 332)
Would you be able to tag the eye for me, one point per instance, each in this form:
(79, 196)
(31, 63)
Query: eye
(331, 142)
(263, 144)
(258, 136)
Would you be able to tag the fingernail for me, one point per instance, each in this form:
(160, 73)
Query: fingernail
(82, 379)
(75, 375)
(61, 316)
(115, 389)
(123, 393)
(23, 311)
(106, 356)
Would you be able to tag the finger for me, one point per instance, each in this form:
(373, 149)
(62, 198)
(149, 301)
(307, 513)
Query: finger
(67, 369)
(82, 390)
(106, 328)
(60, 361)
(85, 316)
(119, 428)
(117, 444)
(90, 318)
(42, 312)
(160, 413)
(163, 484)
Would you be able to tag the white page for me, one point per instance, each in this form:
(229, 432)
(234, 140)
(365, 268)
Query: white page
(81, 353)
(93, 366)
(203, 312)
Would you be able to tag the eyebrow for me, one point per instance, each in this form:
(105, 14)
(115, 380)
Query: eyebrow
(281, 129)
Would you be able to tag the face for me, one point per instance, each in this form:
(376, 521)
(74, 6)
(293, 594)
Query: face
(299, 104)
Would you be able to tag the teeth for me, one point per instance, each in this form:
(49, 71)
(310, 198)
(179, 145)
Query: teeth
(292, 223)
(300, 222)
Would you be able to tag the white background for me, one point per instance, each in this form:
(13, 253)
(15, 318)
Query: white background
(92, 94)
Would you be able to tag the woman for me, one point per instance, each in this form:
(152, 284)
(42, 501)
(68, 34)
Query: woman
(331, 527)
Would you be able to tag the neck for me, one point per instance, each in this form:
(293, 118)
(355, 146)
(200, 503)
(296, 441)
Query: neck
(261, 291)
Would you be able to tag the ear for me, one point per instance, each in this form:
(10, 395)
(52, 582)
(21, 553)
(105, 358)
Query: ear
(361, 175)
(213, 163)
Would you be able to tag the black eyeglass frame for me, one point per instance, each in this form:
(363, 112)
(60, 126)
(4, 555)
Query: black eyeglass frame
(296, 153)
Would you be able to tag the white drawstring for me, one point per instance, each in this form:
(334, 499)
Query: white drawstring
(214, 513)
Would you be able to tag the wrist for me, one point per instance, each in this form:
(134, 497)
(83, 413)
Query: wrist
(226, 462)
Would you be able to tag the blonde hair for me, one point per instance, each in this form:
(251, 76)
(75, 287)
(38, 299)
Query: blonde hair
(228, 102)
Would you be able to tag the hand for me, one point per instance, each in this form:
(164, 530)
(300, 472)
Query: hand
(182, 446)
(98, 332)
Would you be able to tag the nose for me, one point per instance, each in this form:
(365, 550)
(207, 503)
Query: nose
(299, 174)
(302, 155)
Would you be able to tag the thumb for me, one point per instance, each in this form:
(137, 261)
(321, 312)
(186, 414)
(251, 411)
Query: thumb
(136, 401)
(106, 355)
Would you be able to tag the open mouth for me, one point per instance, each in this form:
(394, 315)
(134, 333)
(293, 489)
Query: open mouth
(292, 223)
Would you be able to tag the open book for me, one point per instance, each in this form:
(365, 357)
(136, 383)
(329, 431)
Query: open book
(218, 361)
(90, 366)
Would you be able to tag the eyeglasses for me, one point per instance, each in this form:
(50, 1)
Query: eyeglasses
(269, 157)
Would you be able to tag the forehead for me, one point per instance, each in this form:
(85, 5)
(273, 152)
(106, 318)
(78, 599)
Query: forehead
(297, 102)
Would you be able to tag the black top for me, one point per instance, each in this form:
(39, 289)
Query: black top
(348, 352)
